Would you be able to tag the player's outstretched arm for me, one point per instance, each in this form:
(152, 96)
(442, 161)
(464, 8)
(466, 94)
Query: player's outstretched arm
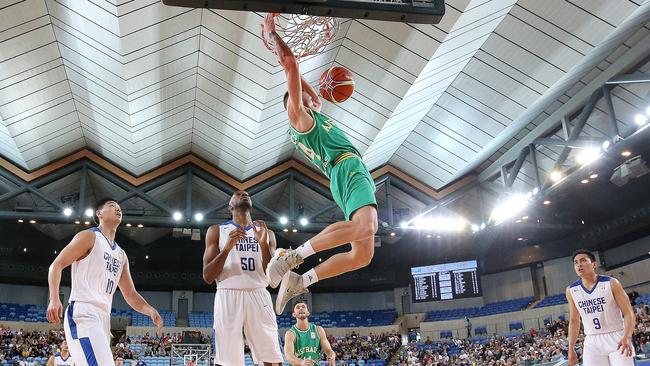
(78, 248)
(213, 258)
(135, 300)
(574, 328)
(298, 116)
(623, 302)
(326, 346)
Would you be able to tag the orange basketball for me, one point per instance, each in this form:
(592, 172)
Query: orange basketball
(336, 84)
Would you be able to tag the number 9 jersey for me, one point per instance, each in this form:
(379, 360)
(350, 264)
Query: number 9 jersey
(598, 309)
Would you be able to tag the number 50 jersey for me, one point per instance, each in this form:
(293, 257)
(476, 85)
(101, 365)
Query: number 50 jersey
(243, 268)
(598, 308)
(96, 276)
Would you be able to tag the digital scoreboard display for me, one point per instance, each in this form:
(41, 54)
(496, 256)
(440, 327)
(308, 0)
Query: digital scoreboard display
(447, 281)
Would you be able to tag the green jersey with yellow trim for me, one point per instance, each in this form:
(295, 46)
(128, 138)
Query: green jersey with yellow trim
(307, 343)
(323, 143)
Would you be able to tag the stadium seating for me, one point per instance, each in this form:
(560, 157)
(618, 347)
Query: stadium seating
(552, 300)
(343, 319)
(488, 309)
(26, 313)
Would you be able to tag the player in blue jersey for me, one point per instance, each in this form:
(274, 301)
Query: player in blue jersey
(606, 313)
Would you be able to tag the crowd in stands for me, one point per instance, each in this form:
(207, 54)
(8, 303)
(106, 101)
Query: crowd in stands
(23, 348)
(354, 348)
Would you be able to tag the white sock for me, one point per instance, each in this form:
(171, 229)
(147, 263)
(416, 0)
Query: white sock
(310, 277)
(305, 250)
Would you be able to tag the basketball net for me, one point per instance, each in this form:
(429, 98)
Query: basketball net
(305, 35)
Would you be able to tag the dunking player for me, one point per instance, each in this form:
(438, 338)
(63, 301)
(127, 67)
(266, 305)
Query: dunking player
(304, 341)
(61, 358)
(353, 189)
(236, 253)
(601, 303)
(98, 265)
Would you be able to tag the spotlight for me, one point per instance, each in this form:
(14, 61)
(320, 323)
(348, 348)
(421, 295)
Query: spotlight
(640, 119)
(25, 250)
(20, 220)
(547, 202)
(556, 176)
(535, 191)
(177, 216)
(392, 234)
(285, 230)
(304, 221)
(593, 176)
(606, 144)
(67, 211)
(294, 230)
(584, 181)
(482, 226)
(198, 216)
(284, 220)
(140, 225)
(128, 225)
(88, 212)
(146, 256)
(475, 228)
(512, 206)
(403, 224)
(626, 153)
(32, 221)
(587, 155)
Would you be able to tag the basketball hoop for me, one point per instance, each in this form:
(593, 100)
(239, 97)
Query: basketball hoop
(306, 35)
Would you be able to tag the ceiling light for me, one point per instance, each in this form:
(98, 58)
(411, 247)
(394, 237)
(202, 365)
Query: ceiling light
(88, 212)
(67, 211)
(284, 220)
(128, 225)
(475, 228)
(584, 181)
(606, 144)
(510, 207)
(440, 223)
(392, 234)
(54, 251)
(285, 230)
(626, 153)
(518, 221)
(20, 220)
(482, 226)
(428, 235)
(87, 222)
(647, 111)
(177, 216)
(294, 230)
(140, 225)
(593, 176)
(547, 202)
(25, 250)
(438, 236)
(320, 259)
(304, 221)
(403, 224)
(198, 216)
(32, 221)
(556, 176)
(586, 156)
(146, 256)
(640, 119)
(520, 239)
(77, 222)
(535, 191)
(524, 217)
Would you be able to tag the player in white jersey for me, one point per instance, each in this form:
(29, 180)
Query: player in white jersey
(601, 302)
(236, 254)
(61, 358)
(99, 266)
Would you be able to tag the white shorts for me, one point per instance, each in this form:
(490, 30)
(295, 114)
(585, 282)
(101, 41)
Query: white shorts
(87, 332)
(600, 350)
(245, 312)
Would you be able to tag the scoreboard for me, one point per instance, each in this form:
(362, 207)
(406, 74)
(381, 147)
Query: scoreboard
(447, 281)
